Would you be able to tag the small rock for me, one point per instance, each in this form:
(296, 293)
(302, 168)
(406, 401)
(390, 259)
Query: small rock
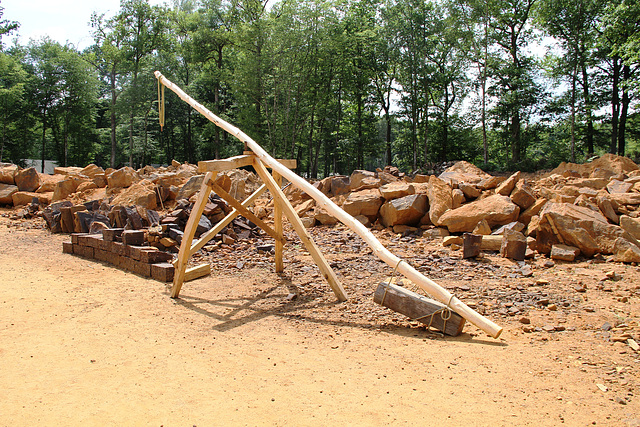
(621, 400)
(552, 307)
(549, 328)
(548, 264)
(525, 320)
(542, 282)
(606, 326)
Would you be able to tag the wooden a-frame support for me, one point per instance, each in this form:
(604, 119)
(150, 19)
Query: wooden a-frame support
(281, 206)
(259, 158)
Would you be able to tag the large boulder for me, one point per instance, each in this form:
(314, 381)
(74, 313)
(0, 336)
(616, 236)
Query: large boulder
(21, 198)
(406, 210)
(122, 178)
(7, 174)
(463, 172)
(584, 228)
(27, 180)
(67, 170)
(48, 183)
(340, 185)
(522, 195)
(92, 170)
(496, 210)
(365, 202)
(67, 186)
(6, 193)
(440, 199)
(395, 190)
(362, 180)
(142, 193)
(506, 187)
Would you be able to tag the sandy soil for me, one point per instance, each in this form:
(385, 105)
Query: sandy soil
(82, 343)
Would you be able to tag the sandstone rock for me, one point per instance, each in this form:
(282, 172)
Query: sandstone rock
(308, 222)
(324, 218)
(122, 178)
(324, 186)
(420, 179)
(586, 202)
(142, 193)
(496, 210)
(6, 193)
(625, 251)
(471, 245)
(92, 170)
(457, 198)
(86, 186)
(605, 206)
(404, 229)
(435, 233)
(365, 202)
(522, 195)
(630, 225)
(482, 228)
(514, 245)
(534, 223)
(27, 180)
(512, 226)
(21, 198)
(534, 209)
(67, 170)
(452, 240)
(340, 185)
(406, 210)
(305, 207)
(100, 180)
(362, 180)
(577, 226)
(616, 186)
(7, 174)
(625, 198)
(490, 182)
(564, 252)
(395, 190)
(463, 172)
(192, 186)
(470, 191)
(48, 183)
(364, 220)
(67, 186)
(440, 199)
(507, 186)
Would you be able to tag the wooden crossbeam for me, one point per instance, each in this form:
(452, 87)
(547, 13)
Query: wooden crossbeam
(302, 232)
(206, 237)
(245, 212)
(221, 165)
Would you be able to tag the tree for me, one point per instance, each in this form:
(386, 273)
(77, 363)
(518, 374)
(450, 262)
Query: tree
(6, 26)
(12, 82)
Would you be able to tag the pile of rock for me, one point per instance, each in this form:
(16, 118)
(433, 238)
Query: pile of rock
(586, 209)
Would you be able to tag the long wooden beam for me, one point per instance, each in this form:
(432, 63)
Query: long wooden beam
(399, 265)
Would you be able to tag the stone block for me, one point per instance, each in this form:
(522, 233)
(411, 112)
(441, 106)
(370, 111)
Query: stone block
(112, 234)
(564, 252)
(133, 237)
(162, 272)
(67, 247)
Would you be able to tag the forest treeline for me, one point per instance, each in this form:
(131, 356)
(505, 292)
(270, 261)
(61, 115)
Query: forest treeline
(336, 84)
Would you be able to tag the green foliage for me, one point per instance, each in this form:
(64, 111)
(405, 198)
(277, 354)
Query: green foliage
(336, 84)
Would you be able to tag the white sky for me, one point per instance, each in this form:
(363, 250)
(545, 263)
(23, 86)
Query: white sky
(62, 20)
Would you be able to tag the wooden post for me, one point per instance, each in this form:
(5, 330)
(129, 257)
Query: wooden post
(305, 237)
(189, 232)
(277, 224)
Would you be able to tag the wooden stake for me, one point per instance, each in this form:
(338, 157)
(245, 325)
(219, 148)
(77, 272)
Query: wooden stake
(302, 232)
(277, 224)
(189, 232)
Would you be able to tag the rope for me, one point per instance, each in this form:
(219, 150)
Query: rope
(161, 104)
(445, 315)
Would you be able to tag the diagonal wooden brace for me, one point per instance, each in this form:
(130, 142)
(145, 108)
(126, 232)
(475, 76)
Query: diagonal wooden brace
(302, 232)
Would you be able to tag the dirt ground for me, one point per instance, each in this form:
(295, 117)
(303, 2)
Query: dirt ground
(83, 343)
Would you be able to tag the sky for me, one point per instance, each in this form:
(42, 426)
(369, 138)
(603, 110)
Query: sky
(62, 20)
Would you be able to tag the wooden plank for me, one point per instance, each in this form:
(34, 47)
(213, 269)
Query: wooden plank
(222, 165)
(277, 225)
(244, 211)
(438, 292)
(189, 232)
(302, 232)
(197, 272)
(420, 308)
(195, 247)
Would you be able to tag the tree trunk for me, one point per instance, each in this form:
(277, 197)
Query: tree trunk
(573, 113)
(587, 109)
(44, 134)
(615, 105)
(114, 96)
(626, 75)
